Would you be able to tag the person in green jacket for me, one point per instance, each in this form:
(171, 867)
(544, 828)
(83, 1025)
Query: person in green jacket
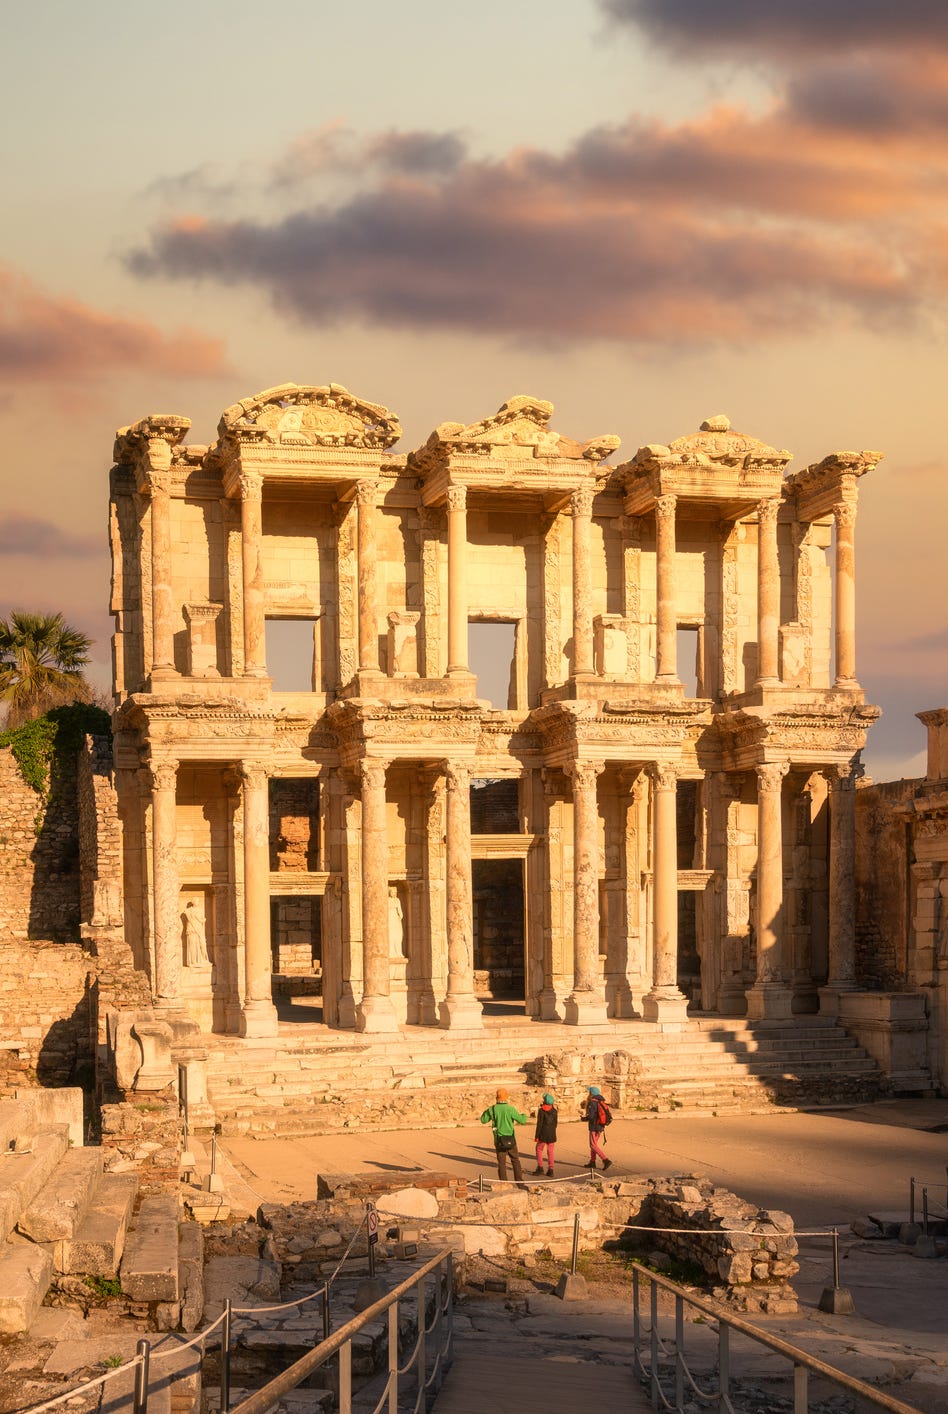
(502, 1117)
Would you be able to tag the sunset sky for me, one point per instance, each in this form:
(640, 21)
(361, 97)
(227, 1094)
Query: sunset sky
(646, 211)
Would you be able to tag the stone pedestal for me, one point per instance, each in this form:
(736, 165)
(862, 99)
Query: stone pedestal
(770, 1001)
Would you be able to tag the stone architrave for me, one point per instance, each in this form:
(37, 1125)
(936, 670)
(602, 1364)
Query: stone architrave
(586, 1003)
(581, 504)
(842, 889)
(665, 1003)
(258, 1014)
(771, 996)
(166, 981)
(375, 1011)
(460, 1008)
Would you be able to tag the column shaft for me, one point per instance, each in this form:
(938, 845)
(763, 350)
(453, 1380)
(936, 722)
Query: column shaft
(586, 1004)
(162, 631)
(665, 1003)
(666, 626)
(251, 526)
(368, 615)
(845, 515)
(375, 1011)
(768, 593)
(581, 502)
(165, 887)
(771, 994)
(259, 1014)
(457, 580)
(460, 1007)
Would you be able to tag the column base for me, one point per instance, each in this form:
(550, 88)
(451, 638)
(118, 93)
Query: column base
(549, 1005)
(585, 1009)
(463, 1013)
(830, 996)
(770, 1001)
(665, 1007)
(377, 1015)
(258, 1019)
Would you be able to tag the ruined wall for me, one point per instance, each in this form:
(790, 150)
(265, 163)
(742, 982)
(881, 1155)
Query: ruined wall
(882, 884)
(39, 855)
(45, 1014)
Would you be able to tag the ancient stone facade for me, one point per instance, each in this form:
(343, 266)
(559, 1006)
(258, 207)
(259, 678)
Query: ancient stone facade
(625, 827)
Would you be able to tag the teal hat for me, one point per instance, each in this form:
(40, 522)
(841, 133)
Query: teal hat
(594, 1089)
(549, 1099)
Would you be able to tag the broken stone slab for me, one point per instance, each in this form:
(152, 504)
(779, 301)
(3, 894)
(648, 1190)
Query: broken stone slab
(96, 1250)
(62, 1203)
(248, 1281)
(191, 1269)
(866, 1228)
(24, 1173)
(149, 1267)
(25, 1274)
(56, 1105)
(409, 1203)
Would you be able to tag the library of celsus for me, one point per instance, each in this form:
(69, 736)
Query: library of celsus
(489, 720)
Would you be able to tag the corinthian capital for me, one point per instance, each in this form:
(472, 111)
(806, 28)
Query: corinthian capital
(767, 511)
(164, 775)
(253, 775)
(372, 775)
(456, 497)
(251, 485)
(665, 509)
(845, 515)
(365, 493)
(664, 774)
(584, 774)
(457, 774)
(581, 501)
(770, 774)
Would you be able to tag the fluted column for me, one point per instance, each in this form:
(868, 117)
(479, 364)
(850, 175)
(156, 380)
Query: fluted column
(258, 1014)
(368, 614)
(768, 593)
(251, 529)
(842, 889)
(162, 627)
(666, 625)
(166, 910)
(586, 1003)
(845, 515)
(581, 504)
(665, 1004)
(771, 995)
(457, 579)
(460, 1008)
(375, 1011)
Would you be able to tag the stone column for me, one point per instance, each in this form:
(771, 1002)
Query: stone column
(842, 888)
(581, 503)
(251, 530)
(586, 1003)
(771, 996)
(845, 515)
(375, 1012)
(666, 619)
(460, 1008)
(258, 1014)
(162, 627)
(457, 580)
(768, 594)
(665, 1004)
(166, 896)
(368, 614)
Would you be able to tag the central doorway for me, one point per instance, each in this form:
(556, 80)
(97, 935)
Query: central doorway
(499, 935)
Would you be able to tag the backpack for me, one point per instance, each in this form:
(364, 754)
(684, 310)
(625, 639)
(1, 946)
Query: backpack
(603, 1112)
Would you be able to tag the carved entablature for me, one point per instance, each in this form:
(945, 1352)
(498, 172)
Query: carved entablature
(819, 489)
(515, 450)
(727, 473)
(410, 730)
(571, 730)
(805, 737)
(150, 446)
(294, 433)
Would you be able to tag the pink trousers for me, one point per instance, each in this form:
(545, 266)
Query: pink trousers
(549, 1154)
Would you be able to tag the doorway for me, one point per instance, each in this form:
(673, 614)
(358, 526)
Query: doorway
(689, 960)
(499, 937)
(296, 956)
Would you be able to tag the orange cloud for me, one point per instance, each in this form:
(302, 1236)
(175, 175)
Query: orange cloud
(45, 337)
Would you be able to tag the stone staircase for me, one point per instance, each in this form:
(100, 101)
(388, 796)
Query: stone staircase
(61, 1214)
(310, 1080)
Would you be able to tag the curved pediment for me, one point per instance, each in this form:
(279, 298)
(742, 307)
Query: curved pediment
(519, 427)
(328, 416)
(715, 444)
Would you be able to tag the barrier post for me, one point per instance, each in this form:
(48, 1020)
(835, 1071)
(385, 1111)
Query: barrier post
(326, 1322)
(140, 1397)
(724, 1366)
(225, 1359)
(572, 1264)
(925, 1211)
(911, 1200)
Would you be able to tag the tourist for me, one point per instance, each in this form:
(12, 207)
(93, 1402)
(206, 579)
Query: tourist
(597, 1116)
(502, 1117)
(545, 1136)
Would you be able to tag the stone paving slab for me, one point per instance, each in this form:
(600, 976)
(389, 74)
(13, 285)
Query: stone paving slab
(514, 1385)
(96, 1249)
(25, 1273)
(149, 1269)
(59, 1207)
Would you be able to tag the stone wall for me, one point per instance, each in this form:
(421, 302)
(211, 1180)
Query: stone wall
(46, 1016)
(882, 884)
(39, 855)
(747, 1253)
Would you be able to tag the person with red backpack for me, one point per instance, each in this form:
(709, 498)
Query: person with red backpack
(597, 1115)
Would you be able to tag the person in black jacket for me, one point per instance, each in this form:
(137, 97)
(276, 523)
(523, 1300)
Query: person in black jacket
(592, 1114)
(545, 1135)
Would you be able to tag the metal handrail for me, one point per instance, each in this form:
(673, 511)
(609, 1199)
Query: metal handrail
(647, 1366)
(340, 1343)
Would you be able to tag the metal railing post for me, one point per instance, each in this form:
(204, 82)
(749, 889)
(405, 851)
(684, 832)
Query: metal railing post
(225, 1359)
(636, 1320)
(925, 1211)
(679, 1353)
(393, 1358)
(911, 1200)
(572, 1265)
(422, 1343)
(724, 1366)
(327, 1324)
(653, 1342)
(480, 1183)
(800, 1381)
(140, 1397)
(345, 1378)
(835, 1258)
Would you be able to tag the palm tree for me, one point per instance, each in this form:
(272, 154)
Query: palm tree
(41, 663)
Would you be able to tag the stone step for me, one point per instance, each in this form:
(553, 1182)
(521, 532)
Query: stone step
(23, 1174)
(99, 1241)
(25, 1274)
(62, 1203)
(16, 1124)
(149, 1268)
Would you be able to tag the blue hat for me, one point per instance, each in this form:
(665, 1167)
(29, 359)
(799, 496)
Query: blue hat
(594, 1089)
(549, 1099)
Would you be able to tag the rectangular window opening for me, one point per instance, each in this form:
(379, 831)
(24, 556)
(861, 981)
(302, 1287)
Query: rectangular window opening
(492, 657)
(687, 651)
(291, 653)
